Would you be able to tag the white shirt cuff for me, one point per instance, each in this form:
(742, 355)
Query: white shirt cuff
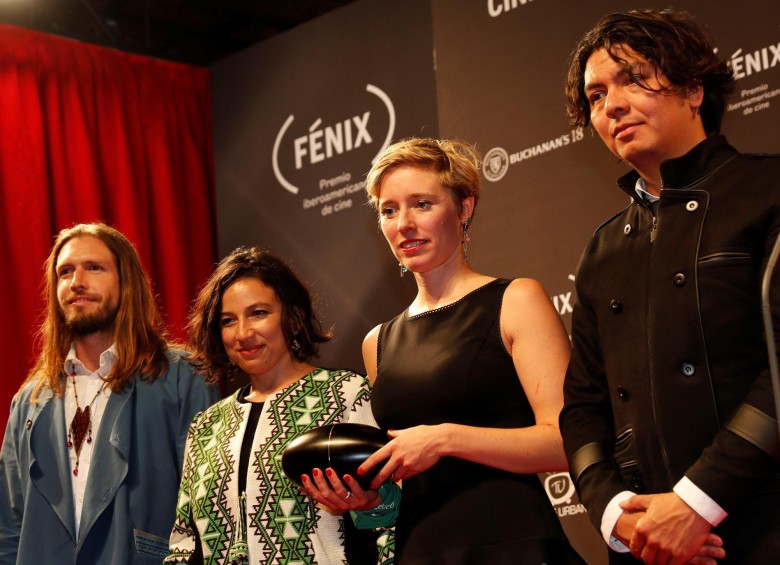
(697, 499)
(610, 517)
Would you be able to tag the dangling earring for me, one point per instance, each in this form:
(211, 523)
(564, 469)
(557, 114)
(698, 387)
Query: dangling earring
(466, 238)
(296, 345)
(403, 269)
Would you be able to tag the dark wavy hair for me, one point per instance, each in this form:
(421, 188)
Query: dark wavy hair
(299, 321)
(671, 40)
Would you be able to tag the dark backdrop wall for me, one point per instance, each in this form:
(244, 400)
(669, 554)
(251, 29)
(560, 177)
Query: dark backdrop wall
(490, 72)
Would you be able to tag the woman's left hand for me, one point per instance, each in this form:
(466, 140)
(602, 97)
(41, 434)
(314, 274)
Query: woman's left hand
(337, 494)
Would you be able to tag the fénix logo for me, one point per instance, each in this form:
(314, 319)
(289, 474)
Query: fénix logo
(746, 64)
(320, 142)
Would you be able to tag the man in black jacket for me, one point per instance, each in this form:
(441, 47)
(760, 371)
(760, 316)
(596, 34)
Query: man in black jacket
(669, 423)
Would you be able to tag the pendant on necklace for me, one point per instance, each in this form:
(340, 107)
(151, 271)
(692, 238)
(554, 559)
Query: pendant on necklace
(79, 427)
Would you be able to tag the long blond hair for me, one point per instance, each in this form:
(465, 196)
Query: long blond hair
(139, 331)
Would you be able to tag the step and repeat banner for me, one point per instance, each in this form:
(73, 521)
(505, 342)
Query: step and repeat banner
(298, 120)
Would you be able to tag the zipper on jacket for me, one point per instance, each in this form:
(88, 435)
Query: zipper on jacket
(652, 207)
(652, 228)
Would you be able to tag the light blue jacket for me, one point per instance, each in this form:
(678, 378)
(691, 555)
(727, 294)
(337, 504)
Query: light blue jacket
(130, 498)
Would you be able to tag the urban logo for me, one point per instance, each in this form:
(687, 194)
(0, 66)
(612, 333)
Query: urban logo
(495, 164)
(320, 142)
(560, 491)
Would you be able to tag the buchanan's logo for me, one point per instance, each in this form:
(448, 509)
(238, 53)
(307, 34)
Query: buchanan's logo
(323, 142)
(495, 164)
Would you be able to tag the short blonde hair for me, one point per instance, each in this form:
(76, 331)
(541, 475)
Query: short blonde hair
(455, 162)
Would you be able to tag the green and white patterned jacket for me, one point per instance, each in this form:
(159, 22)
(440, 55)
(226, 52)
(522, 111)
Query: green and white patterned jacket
(279, 524)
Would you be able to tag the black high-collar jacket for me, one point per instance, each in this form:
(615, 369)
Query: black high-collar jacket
(668, 336)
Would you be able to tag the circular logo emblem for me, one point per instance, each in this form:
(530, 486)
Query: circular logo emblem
(560, 488)
(495, 164)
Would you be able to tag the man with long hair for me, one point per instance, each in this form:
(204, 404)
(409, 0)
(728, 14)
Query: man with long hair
(668, 422)
(92, 454)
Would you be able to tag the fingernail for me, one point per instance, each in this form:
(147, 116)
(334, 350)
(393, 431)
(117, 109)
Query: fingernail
(329, 472)
(316, 472)
(303, 478)
(361, 471)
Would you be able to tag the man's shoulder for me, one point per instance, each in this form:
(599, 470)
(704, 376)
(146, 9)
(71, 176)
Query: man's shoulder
(761, 156)
(24, 395)
(758, 167)
(179, 371)
(746, 176)
(25, 392)
(27, 402)
(764, 168)
(178, 362)
(176, 354)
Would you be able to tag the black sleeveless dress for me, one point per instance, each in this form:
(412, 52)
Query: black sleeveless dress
(450, 365)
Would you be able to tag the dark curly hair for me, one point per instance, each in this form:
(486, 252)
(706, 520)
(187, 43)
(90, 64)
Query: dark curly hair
(299, 321)
(671, 40)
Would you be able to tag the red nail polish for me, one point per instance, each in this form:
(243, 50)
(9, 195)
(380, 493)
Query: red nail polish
(361, 471)
(303, 478)
(329, 472)
(316, 472)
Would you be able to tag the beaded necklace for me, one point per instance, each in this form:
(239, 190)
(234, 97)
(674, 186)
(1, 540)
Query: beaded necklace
(81, 425)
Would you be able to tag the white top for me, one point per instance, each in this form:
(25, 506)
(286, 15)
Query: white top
(87, 384)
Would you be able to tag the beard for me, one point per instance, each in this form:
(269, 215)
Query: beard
(101, 320)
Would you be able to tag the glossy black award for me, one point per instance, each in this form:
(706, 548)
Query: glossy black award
(342, 447)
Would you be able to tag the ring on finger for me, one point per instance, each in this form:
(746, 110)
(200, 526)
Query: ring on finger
(348, 495)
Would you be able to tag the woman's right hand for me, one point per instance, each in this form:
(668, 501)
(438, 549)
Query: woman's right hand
(409, 452)
(339, 494)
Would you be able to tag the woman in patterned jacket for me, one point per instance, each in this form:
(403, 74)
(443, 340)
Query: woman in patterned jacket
(235, 504)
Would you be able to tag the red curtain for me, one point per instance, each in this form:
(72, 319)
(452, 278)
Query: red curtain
(89, 133)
